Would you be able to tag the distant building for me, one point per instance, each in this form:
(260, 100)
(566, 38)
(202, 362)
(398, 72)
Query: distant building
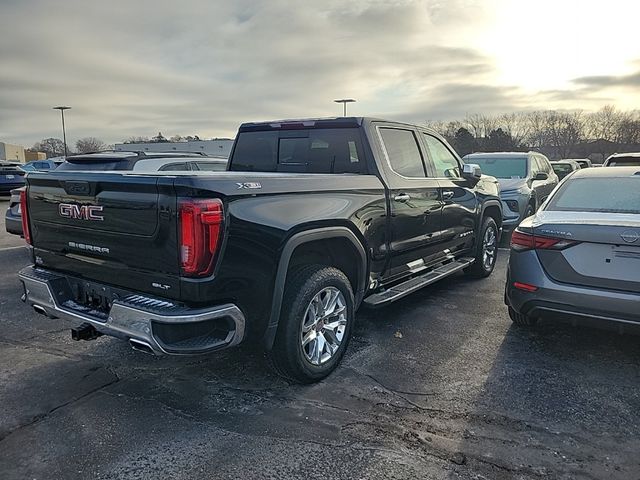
(220, 147)
(11, 153)
(30, 156)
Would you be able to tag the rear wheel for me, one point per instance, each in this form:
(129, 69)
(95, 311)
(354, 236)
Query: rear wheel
(315, 324)
(520, 319)
(486, 250)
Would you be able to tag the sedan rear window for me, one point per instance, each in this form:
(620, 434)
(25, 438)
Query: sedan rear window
(612, 195)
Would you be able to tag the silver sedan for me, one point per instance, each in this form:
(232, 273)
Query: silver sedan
(579, 255)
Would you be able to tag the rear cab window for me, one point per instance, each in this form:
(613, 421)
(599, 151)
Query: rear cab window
(314, 150)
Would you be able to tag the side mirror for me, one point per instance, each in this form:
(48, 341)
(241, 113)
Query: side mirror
(471, 172)
(541, 176)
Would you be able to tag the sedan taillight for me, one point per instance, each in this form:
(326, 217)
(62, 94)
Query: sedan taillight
(24, 213)
(200, 235)
(521, 241)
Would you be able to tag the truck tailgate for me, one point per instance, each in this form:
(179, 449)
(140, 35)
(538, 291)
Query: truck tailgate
(114, 228)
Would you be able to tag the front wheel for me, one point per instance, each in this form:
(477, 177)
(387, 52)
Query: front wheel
(486, 250)
(315, 324)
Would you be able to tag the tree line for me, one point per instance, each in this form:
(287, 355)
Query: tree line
(54, 147)
(557, 134)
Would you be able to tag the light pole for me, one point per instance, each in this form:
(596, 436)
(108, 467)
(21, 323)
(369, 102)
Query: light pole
(64, 133)
(344, 102)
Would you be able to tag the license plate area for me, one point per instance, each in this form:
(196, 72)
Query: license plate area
(93, 296)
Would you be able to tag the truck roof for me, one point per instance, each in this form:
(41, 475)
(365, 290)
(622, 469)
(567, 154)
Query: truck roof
(301, 123)
(326, 122)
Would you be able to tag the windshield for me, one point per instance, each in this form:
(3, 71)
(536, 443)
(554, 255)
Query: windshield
(501, 167)
(612, 195)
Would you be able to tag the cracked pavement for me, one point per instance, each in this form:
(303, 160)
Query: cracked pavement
(462, 394)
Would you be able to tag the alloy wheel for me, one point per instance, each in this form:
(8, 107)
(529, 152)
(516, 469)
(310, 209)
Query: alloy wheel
(489, 248)
(323, 325)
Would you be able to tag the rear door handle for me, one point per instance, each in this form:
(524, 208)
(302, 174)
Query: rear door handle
(447, 195)
(402, 197)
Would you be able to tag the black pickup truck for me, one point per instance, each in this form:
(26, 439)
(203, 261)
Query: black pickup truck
(312, 219)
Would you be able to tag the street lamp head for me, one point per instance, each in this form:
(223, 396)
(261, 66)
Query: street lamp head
(344, 102)
(62, 108)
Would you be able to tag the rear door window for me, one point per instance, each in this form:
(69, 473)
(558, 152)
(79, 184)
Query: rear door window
(403, 152)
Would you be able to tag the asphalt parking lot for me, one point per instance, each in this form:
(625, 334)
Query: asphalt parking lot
(440, 385)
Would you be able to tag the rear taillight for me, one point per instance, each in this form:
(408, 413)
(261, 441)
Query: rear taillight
(24, 213)
(521, 241)
(200, 235)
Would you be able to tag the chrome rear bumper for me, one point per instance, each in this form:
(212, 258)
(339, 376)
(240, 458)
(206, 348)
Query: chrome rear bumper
(161, 325)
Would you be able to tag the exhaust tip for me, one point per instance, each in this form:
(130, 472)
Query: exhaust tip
(40, 310)
(141, 346)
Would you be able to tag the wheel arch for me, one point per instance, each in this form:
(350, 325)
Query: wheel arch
(310, 244)
(493, 209)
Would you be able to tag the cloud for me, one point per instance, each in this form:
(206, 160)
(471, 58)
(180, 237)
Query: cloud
(203, 67)
(603, 81)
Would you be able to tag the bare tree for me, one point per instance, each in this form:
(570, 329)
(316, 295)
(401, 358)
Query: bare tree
(603, 124)
(537, 128)
(53, 147)
(135, 139)
(516, 125)
(564, 131)
(480, 125)
(90, 144)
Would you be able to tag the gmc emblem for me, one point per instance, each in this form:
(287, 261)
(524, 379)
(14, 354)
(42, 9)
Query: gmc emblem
(84, 212)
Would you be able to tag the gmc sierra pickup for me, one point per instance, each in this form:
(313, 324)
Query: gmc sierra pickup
(311, 220)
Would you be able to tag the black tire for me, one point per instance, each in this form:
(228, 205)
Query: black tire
(480, 269)
(522, 320)
(288, 357)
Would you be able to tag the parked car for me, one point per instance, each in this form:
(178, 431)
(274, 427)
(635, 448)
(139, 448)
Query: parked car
(526, 180)
(13, 217)
(11, 176)
(579, 256)
(145, 162)
(313, 219)
(583, 162)
(622, 160)
(41, 165)
(562, 168)
(135, 161)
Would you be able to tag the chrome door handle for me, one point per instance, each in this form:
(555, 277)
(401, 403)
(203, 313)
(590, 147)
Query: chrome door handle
(402, 197)
(447, 195)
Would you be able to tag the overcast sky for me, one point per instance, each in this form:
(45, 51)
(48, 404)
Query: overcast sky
(204, 66)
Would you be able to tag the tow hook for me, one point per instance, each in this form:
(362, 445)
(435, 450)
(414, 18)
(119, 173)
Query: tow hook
(85, 331)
